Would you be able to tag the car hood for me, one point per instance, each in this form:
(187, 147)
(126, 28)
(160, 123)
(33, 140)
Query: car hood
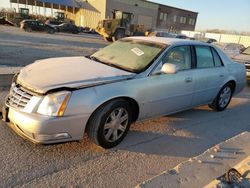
(242, 58)
(68, 72)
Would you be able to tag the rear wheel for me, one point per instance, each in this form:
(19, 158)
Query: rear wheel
(223, 98)
(118, 35)
(110, 123)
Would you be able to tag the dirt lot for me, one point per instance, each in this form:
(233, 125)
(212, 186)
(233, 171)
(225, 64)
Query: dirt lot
(19, 48)
(151, 146)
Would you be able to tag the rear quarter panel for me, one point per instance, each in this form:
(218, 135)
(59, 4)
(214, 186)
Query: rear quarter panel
(236, 71)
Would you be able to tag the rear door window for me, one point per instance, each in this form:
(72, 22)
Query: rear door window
(217, 59)
(204, 57)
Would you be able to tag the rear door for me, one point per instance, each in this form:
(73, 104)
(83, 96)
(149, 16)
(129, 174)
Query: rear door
(209, 74)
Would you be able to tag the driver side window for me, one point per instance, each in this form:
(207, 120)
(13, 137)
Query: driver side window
(179, 56)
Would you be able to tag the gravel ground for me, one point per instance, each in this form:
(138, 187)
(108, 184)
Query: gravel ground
(19, 48)
(151, 146)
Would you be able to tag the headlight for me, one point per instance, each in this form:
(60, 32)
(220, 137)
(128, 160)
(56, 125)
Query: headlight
(54, 104)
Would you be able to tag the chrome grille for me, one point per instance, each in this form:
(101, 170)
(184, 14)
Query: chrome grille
(18, 98)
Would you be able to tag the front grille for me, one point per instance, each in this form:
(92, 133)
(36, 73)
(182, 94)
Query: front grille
(18, 98)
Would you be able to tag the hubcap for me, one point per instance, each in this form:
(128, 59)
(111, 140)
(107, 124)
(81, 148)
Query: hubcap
(116, 124)
(225, 97)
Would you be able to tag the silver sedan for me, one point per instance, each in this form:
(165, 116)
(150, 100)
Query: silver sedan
(136, 78)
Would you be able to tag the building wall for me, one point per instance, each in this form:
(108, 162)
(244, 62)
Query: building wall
(175, 19)
(99, 6)
(145, 13)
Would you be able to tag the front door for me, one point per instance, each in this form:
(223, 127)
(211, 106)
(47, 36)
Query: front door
(168, 93)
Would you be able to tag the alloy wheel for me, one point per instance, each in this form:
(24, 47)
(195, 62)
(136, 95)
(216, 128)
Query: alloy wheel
(225, 96)
(116, 124)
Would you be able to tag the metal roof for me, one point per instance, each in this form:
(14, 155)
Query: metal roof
(70, 3)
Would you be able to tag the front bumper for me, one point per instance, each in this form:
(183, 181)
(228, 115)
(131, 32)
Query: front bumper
(47, 130)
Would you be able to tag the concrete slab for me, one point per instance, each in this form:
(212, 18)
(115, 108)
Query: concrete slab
(6, 75)
(200, 171)
(3, 94)
(244, 181)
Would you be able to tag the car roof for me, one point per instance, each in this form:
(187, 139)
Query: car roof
(170, 41)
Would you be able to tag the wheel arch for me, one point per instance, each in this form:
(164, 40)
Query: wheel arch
(233, 83)
(119, 29)
(133, 103)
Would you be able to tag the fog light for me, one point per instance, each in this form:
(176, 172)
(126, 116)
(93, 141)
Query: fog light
(58, 136)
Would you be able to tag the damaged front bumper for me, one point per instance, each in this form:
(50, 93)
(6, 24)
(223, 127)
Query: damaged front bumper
(46, 130)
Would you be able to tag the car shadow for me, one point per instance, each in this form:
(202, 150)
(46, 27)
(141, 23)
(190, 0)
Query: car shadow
(187, 133)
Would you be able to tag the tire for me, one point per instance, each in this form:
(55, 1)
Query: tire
(51, 31)
(223, 98)
(110, 123)
(75, 32)
(108, 39)
(28, 29)
(118, 35)
(233, 176)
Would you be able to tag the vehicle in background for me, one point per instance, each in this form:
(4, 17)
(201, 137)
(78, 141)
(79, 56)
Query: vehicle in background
(158, 33)
(132, 79)
(231, 49)
(67, 28)
(14, 18)
(36, 25)
(58, 19)
(87, 30)
(244, 57)
(181, 36)
(119, 27)
(53, 24)
(206, 40)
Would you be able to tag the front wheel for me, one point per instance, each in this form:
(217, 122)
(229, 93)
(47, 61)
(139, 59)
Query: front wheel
(223, 98)
(118, 35)
(51, 31)
(108, 39)
(110, 123)
(28, 29)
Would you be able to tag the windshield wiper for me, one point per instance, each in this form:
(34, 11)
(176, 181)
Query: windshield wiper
(109, 64)
(94, 59)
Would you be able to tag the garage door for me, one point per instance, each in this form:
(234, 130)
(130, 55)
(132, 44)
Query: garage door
(146, 21)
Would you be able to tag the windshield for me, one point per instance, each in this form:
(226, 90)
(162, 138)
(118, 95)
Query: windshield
(247, 51)
(129, 54)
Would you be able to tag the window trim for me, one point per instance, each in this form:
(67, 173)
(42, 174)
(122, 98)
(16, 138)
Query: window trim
(211, 49)
(170, 49)
(215, 51)
(161, 16)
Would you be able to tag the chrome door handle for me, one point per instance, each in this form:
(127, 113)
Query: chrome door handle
(188, 80)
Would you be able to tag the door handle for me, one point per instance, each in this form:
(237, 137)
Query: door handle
(188, 79)
(221, 75)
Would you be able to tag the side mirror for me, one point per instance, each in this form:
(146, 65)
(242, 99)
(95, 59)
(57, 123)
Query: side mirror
(169, 68)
